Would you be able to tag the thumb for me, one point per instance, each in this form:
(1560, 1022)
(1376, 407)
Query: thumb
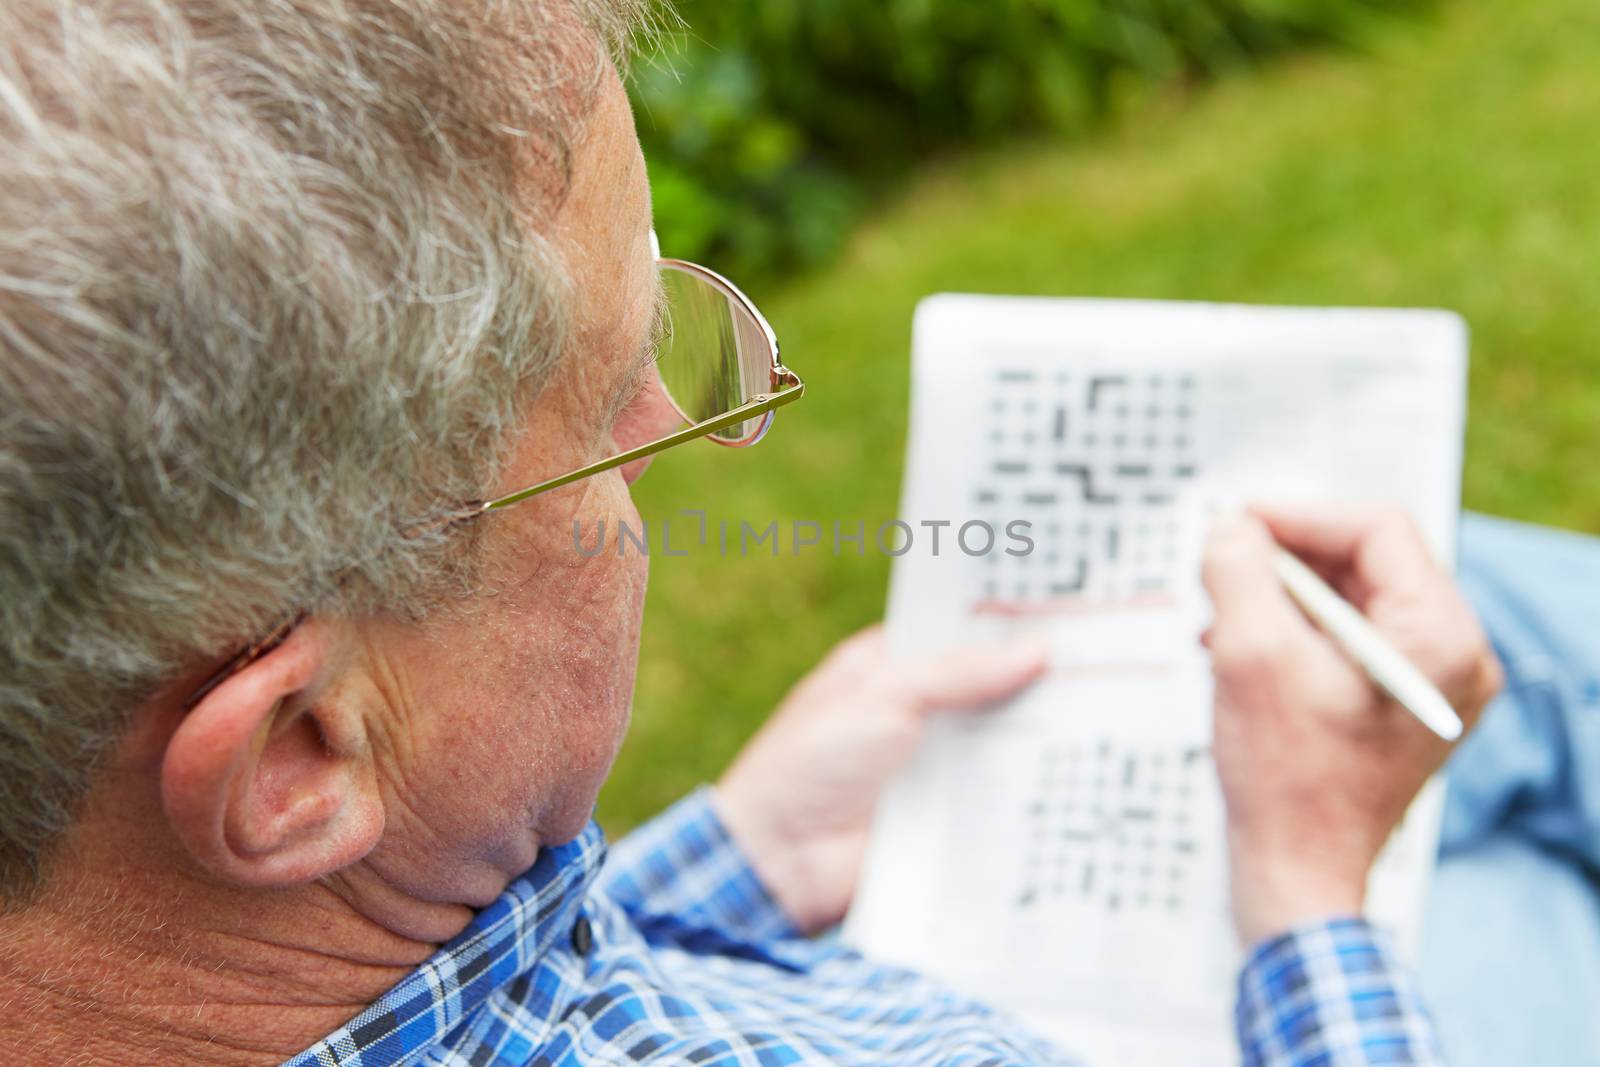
(1250, 605)
(977, 677)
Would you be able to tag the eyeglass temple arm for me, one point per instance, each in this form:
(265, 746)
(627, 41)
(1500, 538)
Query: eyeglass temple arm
(743, 413)
(793, 389)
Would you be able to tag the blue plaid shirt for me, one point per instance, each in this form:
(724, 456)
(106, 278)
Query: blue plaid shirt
(676, 954)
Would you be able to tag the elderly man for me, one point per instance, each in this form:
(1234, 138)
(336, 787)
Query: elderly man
(287, 292)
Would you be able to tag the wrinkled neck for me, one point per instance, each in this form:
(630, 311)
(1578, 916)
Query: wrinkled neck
(124, 964)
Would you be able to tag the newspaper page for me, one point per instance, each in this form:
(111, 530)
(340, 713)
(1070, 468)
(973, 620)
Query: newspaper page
(1063, 857)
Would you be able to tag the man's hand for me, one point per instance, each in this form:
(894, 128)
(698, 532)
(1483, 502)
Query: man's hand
(799, 799)
(1318, 765)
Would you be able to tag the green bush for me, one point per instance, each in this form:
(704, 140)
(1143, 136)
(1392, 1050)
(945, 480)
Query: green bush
(768, 123)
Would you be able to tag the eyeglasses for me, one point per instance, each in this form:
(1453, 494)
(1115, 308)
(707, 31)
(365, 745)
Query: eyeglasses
(720, 368)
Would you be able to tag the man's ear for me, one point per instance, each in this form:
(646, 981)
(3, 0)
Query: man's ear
(269, 781)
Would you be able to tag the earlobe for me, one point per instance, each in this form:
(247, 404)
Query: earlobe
(268, 781)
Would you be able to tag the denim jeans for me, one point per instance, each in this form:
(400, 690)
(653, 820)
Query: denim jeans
(1511, 949)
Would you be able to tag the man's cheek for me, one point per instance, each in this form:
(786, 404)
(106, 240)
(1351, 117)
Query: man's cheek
(608, 544)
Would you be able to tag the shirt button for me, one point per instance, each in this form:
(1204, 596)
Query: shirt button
(582, 936)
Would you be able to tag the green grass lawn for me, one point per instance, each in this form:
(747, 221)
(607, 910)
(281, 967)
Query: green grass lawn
(1454, 164)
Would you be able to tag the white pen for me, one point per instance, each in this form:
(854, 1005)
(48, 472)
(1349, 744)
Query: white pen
(1385, 665)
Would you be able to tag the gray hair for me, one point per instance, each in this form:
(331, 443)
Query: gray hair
(271, 290)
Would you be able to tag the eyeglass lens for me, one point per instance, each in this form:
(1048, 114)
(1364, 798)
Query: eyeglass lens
(714, 354)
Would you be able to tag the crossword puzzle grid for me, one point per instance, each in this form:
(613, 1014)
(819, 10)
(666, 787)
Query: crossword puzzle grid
(1095, 461)
(1111, 826)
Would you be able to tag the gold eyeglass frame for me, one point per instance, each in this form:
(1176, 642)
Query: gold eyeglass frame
(785, 387)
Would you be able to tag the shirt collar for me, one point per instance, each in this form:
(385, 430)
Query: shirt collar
(542, 903)
(505, 939)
